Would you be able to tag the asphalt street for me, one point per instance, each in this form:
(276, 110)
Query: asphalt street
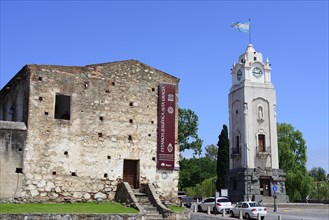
(284, 213)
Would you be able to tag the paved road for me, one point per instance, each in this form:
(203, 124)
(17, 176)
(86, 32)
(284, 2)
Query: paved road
(285, 213)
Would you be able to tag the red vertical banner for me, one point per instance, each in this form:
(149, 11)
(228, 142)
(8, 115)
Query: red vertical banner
(166, 126)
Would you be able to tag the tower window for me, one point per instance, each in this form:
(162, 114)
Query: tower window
(62, 107)
(237, 144)
(261, 143)
(255, 58)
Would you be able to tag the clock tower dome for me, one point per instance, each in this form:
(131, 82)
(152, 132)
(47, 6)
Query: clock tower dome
(254, 166)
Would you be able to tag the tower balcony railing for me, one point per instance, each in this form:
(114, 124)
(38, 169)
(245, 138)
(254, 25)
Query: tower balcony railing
(263, 152)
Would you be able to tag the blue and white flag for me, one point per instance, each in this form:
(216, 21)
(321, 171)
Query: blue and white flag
(241, 26)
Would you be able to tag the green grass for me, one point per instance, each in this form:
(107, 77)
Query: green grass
(104, 207)
(177, 208)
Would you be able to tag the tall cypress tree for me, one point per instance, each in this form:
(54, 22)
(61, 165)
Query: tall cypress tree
(223, 158)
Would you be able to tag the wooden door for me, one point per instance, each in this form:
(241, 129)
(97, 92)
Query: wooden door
(130, 173)
(265, 186)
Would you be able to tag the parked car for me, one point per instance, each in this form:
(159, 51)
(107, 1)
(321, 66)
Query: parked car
(249, 209)
(222, 204)
(184, 200)
(181, 195)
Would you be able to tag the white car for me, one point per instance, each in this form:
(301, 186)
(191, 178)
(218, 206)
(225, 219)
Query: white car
(249, 209)
(222, 204)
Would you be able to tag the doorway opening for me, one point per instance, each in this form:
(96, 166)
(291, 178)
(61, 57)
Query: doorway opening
(131, 173)
(265, 185)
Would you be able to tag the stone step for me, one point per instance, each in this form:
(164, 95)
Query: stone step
(153, 216)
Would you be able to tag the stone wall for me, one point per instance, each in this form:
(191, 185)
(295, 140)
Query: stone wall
(113, 118)
(248, 184)
(12, 141)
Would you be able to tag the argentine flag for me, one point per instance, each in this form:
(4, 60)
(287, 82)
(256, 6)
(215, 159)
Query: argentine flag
(241, 26)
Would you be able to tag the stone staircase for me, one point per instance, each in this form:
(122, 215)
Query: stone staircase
(151, 211)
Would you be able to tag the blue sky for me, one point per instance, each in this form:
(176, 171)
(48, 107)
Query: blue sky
(191, 40)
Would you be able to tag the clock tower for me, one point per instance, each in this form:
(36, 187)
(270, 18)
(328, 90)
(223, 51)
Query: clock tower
(254, 165)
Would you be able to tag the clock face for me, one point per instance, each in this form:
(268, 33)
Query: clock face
(257, 72)
(239, 75)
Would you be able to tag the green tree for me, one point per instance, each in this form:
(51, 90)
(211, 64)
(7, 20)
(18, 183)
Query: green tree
(205, 189)
(211, 152)
(292, 157)
(187, 131)
(194, 171)
(318, 173)
(223, 157)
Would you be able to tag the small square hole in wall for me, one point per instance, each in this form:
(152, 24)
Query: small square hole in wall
(74, 174)
(105, 175)
(153, 158)
(113, 83)
(19, 170)
(130, 121)
(152, 122)
(40, 98)
(107, 91)
(101, 118)
(40, 78)
(66, 153)
(153, 89)
(54, 173)
(100, 134)
(149, 135)
(130, 138)
(20, 149)
(46, 113)
(108, 157)
(131, 104)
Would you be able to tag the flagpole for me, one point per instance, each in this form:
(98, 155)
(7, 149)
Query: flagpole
(249, 32)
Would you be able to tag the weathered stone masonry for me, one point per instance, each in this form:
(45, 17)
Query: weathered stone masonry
(113, 118)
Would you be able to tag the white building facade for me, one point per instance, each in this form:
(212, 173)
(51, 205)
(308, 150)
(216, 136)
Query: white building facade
(254, 165)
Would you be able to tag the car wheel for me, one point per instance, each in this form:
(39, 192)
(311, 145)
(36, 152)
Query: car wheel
(247, 216)
(262, 218)
(232, 214)
(199, 208)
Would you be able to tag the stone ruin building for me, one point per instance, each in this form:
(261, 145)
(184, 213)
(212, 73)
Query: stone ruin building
(77, 132)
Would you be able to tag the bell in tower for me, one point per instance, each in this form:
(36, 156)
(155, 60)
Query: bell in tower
(254, 166)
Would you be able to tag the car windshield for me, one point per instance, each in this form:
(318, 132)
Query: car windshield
(223, 200)
(254, 204)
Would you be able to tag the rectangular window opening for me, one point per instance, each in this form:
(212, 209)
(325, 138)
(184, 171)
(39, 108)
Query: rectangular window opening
(261, 143)
(74, 174)
(62, 107)
(19, 170)
(237, 144)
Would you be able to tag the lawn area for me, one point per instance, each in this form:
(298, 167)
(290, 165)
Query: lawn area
(104, 207)
(177, 208)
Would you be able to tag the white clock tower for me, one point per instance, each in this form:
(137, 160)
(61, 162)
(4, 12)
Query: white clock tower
(254, 165)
